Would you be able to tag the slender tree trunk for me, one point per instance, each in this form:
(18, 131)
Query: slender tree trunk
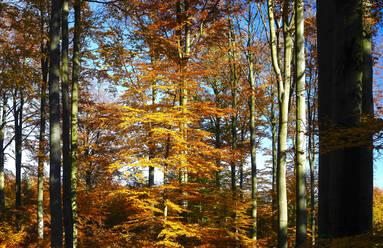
(167, 153)
(300, 155)
(241, 178)
(74, 112)
(2, 148)
(151, 143)
(283, 100)
(67, 203)
(234, 94)
(252, 150)
(54, 120)
(217, 132)
(274, 152)
(218, 146)
(311, 153)
(42, 152)
(312, 198)
(183, 55)
(18, 114)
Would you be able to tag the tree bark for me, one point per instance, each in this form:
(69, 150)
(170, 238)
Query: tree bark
(54, 120)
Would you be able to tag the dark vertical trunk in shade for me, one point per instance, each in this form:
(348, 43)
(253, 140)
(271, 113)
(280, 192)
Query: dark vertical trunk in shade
(67, 203)
(2, 149)
(18, 115)
(54, 126)
(345, 175)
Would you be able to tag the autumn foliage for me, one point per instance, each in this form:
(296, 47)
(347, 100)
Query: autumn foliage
(164, 89)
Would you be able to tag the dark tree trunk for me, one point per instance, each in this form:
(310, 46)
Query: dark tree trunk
(67, 198)
(2, 149)
(345, 175)
(18, 115)
(54, 127)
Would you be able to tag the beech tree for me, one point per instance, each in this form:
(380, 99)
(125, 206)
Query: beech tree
(54, 126)
(284, 85)
(300, 155)
(2, 148)
(74, 119)
(345, 175)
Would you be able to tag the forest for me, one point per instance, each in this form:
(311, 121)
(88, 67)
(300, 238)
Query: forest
(191, 123)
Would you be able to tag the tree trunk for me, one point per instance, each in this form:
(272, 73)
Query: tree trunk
(54, 120)
(74, 112)
(252, 150)
(367, 158)
(151, 143)
(241, 178)
(2, 149)
(42, 152)
(218, 146)
(345, 175)
(312, 198)
(300, 155)
(18, 115)
(234, 94)
(283, 100)
(217, 132)
(311, 153)
(183, 56)
(274, 144)
(67, 204)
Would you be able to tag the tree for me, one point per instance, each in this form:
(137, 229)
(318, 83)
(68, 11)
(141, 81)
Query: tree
(67, 192)
(18, 126)
(74, 119)
(284, 85)
(300, 154)
(54, 125)
(42, 132)
(194, 90)
(2, 149)
(345, 174)
(42, 152)
(251, 32)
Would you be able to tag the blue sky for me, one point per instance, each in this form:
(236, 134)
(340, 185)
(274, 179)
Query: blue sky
(378, 172)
